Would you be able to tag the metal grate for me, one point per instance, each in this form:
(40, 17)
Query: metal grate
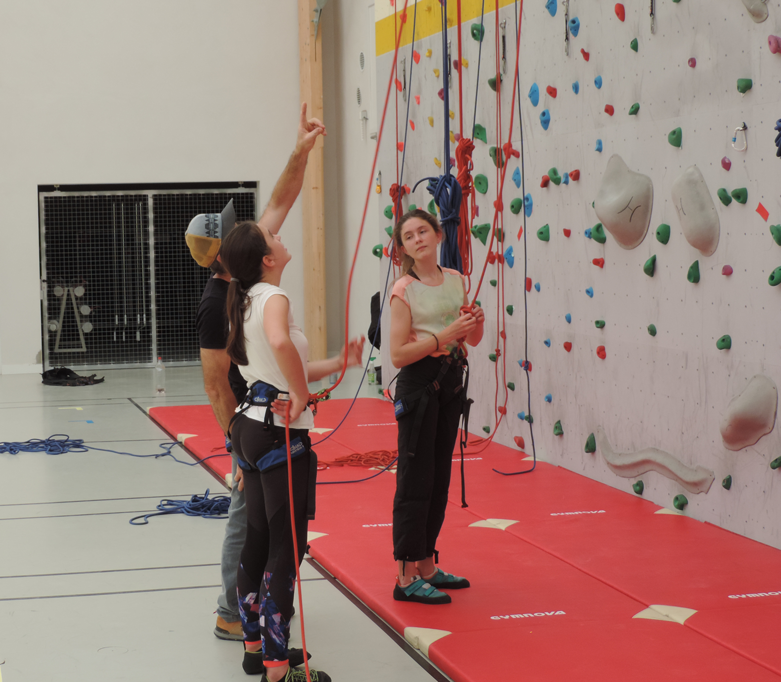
(105, 258)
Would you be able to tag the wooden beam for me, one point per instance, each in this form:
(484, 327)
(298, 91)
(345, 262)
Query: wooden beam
(311, 85)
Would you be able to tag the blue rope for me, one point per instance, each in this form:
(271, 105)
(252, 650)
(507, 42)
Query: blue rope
(778, 137)
(197, 505)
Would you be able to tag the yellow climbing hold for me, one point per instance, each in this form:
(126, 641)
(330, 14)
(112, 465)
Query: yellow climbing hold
(452, 137)
(438, 162)
(465, 63)
(428, 52)
(452, 115)
(436, 72)
(431, 121)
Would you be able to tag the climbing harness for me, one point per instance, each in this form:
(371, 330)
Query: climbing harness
(738, 130)
(259, 394)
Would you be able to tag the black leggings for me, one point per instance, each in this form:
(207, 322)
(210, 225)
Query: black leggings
(423, 480)
(267, 571)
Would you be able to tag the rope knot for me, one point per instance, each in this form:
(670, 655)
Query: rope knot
(509, 150)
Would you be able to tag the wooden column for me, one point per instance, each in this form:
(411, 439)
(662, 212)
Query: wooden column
(313, 257)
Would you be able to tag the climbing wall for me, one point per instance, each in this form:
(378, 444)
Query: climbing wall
(642, 344)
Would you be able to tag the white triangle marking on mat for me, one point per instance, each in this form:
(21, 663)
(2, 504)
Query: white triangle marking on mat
(319, 430)
(181, 437)
(423, 638)
(500, 524)
(671, 512)
(675, 614)
(312, 535)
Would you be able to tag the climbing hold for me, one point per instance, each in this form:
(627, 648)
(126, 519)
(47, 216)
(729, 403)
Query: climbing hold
(724, 196)
(692, 62)
(776, 463)
(620, 12)
(437, 162)
(601, 352)
(452, 141)
(477, 31)
(498, 234)
(680, 501)
(774, 43)
(587, 232)
(496, 156)
(389, 231)
(576, 87)
(432, 207)
(551, 6)
(537, 286)
(700, 220)
(481, 232)
(567, 232)
(744, 85)
(551, 91)
(511, 386)
(775, 230)
(757, 10)
(493, 282)
(634, 109)
(694, 272)
(775, 277)
(634, 44)
(529, 418)
(481, 183)
(413, 207)
(429, 53)
(519, 441)
(517, 179)
(554, 176)
(492, 357)
(724, 343)
(549, 398)
(591, 444)
(568, 317)
(441, 92)
(650, 266)
(557, 430)
(528, 284)
(599, 324)
(598, 82)
(675, 138)
(545, 119)
(487, 429)
(726, 270)
(377, 250)
(492, 82)
(599, 145)
(480, 133)
(599, 262)
(543, 234)
(726, 164)
(763, 211)
(509, 257)
(522, 415)
(528, 205)
(453, 118)
(740, 195)
(585, 54)
(652, 329)
(609, 110)
(727, 482)
(400, 146)
(575, 175)
(545, 181)
(638, 487)
(534, 94)
(510, 309)
(388, 212)
(574, 26)
(663, 233)
(598, 233)
(416, 58)
(590, 292)
(567, 346)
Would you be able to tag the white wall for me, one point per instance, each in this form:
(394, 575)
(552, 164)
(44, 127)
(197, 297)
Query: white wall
(153, 91)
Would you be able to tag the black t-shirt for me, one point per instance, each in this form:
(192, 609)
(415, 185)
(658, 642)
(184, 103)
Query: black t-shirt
(211, 321)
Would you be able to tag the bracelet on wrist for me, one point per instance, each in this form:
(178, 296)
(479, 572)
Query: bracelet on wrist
(437, 340)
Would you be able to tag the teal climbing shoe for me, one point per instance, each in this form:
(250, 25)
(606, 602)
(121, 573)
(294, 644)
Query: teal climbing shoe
(420, 591)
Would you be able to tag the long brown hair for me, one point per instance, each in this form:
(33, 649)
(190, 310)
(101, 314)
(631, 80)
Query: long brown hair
(408, 261)
(242, 254)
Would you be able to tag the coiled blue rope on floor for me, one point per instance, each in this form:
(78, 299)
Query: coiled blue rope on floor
(197, 505)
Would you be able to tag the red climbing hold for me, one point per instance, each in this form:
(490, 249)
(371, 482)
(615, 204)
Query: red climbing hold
(398, 85)
(416, 56)
(726, 270)
(412, 124)
(585, 54)
(498, 205)
(574, 175)
(417, 99)
(491, 257)
(520, 442)
(601, 352)
(502, 410)
(551, 91)
(400, 146)
(441, 94)
(620, 11)
(504, 338)
(692, 62)
(500, 258)
(609, 110)
(567, 232)
(528, 284)
(763, 212)
(545, 181)
(385, 251)
(567, 346)
(509, 150)
(599, 262)
(520, 232)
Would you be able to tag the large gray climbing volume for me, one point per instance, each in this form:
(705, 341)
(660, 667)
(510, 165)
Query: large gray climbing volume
(624, 203)
(750, 415)
(696, 211)
(757, 10)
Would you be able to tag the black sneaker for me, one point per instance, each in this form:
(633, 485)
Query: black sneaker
(421, 592)
(299, 675)
(253, 661)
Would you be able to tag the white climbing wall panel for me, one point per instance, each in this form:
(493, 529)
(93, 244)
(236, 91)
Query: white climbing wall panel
(669, 391)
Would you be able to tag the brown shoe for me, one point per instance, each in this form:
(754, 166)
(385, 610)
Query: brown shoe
(231, 631)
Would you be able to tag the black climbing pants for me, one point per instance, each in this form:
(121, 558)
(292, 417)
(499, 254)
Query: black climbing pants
(423, 480)
(267, 571)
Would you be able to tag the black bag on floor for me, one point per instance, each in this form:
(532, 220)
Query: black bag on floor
(62, 376)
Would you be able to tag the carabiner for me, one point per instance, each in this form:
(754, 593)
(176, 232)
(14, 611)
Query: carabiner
(741, 129)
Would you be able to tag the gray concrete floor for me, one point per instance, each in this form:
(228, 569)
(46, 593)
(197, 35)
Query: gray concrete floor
(86, 596)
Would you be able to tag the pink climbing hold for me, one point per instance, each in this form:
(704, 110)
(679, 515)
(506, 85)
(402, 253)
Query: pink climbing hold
(774, 43)
(551, 91)
(520, 442)
(601, 352)
(726, 270)
(567, 232)
(567, 346)
(545, 181)
(585, 54)
(599, 262)
(692, 62)
(609, 110)
(455, 64)
(574, 175)
(763, 212)
(417, 99)
(441, 94)
(457, 136)
(726, 164)
(620, 12)
(416, 56)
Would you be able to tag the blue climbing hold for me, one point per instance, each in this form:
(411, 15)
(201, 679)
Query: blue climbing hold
(549, 398)
(576, 87)
(528, 205)
(509, 256)
(568, 317)
(547, 342)
(550, 5)
(521, 416)
(545, 119)
(537, 286)
(599, 145)
(565, 179)
(598, 82)
(534, 94)
(588, 233)
(574, 26)
(517, 177)
(590, 292)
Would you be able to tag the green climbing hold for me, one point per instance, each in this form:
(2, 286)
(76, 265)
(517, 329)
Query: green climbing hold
(487, 429)
(727, 482)
(599, 324)
(598, 234)
(377, 250)
(481, 183)
(412, 207)
(389, 231)
(510, 309)
(492, 357)
(775, 278)
(516, 205)
(740, 195)
(388, 212)
(724, 196)
(543, 234)
(496, 156)
(679, 502)
(477, 31)
(492, 82)
(480, 133)
(633, 44)
(775, 230)
(652, 329)
(650, 266)
(481, 232)
(432, 207)
(557, 430)
(634, 109)
(663, 233)
(675, 138)
(477, 303)
(498, 234)
(744, 85)
(775, 463)
(493, 282)
(724, 343)
(554, 176)
(638, 487)
(511, 385)
(694, 272)
(529, 419)
(591, 444)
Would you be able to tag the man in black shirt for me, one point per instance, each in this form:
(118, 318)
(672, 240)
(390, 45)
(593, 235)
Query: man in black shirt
(224, 385)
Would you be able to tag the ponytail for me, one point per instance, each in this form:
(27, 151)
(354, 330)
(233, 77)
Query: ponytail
(237, 305)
